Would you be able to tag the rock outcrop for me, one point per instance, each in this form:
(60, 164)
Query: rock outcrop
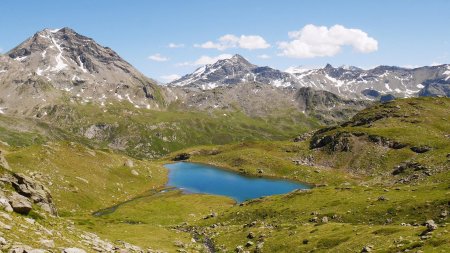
(3, 162)
(27, 191)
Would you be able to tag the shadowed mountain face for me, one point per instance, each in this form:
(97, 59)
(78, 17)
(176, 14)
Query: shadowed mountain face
(345, 81)
(62, 63)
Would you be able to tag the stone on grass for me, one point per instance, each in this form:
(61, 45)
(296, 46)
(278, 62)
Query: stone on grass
(4, 203)
(431, 225)
(47, 243)
(249, 244)
(3, 241)
(367, 248)
(20, 204)
(73, 250)
(129, 163)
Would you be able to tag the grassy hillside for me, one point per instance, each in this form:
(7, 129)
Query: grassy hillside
(364, 198)
(378, 178)
(146, 133)
(83, 180)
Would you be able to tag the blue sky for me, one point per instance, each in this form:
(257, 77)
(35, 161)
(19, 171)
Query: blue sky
(404, 33)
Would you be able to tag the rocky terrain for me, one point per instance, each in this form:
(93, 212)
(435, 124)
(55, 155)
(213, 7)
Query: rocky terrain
(252, 97)
(28, 208)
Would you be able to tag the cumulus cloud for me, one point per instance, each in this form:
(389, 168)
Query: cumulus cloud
(264, 56)
(175, 45)
(249, 42)
(158, 57)
(319, 41)
(170, 78)
(203, 60)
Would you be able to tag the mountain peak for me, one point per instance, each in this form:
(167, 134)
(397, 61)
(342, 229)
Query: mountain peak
(328, 66)
(57, 31)
(49, 30)
(77, 64)
(232, 71)
(238, 57)
(235, 60)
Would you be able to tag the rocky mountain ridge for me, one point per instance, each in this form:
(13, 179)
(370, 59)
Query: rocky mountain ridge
(345, 81)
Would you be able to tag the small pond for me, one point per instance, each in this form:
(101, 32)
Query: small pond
(200, 178)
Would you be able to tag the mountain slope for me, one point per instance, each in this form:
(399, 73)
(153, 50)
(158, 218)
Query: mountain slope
(55, 64)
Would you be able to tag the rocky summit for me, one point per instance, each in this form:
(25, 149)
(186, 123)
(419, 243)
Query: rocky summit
(229, 72)
(62, 64)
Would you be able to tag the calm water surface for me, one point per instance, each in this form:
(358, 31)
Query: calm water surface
(199, 178)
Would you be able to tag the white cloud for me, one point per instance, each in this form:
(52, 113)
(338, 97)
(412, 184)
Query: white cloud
(319, 41)
(158, 57)
(1, 50)
(170, 78)
(232, 41)
(252, 42)
(174, 45)
(264, 56)
(203, 60)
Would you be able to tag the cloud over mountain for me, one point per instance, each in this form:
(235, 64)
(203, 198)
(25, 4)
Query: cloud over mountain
(158, 57)
(249, 42)
(320, 41)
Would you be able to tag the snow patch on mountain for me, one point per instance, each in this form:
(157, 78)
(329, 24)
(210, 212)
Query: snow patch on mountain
(60, 65)
(447, 72)
(297, 70)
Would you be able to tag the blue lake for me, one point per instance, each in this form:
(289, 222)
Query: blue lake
(199, 178)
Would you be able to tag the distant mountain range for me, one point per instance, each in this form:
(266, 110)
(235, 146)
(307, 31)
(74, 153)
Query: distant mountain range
(62, 66)
(345, 81)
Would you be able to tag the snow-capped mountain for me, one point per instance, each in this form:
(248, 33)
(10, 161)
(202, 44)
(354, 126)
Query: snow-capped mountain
(229, 72)
(373, 83)
(61, 61)
(346, 81)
